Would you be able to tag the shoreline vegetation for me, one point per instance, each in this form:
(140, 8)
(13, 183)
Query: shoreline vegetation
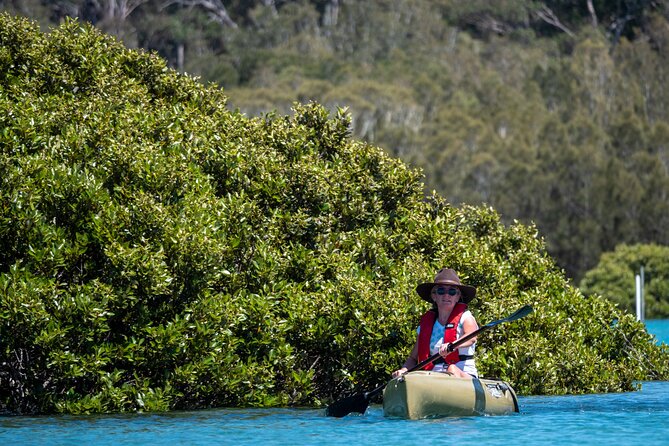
(159, 251)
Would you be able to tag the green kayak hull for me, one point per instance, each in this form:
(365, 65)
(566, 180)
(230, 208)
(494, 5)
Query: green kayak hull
(425, 394)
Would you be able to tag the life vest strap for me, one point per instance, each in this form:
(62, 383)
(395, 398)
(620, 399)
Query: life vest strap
(462, 358)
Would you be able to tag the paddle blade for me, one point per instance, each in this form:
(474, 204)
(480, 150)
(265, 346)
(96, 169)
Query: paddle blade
(521, 312)
(354, 403)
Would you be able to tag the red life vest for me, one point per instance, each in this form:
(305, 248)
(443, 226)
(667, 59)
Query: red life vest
(450, 334)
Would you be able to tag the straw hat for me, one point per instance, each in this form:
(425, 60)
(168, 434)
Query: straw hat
(446, 276)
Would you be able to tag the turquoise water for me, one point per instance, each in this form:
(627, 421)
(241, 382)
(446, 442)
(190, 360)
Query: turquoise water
(659, 328)
(623, 418)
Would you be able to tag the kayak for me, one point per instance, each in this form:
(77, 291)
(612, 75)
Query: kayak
(424, 394)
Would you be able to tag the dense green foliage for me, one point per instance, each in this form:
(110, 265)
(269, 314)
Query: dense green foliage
(614, 278)
(552, 112)
(158, 251)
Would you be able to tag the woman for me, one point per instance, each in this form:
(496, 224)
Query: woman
(448, 320)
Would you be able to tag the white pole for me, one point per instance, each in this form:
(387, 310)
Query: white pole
(643, 296)
(638, 297)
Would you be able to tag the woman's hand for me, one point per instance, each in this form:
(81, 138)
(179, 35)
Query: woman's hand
(444, 349)
(399, 372)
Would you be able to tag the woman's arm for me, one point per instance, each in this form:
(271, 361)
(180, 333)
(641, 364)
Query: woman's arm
(469, 325)
(412, 361)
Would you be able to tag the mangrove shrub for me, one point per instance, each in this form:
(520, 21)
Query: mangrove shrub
(159, 252)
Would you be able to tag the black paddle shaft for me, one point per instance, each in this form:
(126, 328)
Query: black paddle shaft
(359, 402)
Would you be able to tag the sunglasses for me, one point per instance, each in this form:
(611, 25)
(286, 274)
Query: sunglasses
(443, 290)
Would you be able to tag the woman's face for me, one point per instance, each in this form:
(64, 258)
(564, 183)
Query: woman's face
(445, 294)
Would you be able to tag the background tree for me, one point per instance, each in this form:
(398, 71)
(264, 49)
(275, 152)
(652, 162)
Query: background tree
(614, 278)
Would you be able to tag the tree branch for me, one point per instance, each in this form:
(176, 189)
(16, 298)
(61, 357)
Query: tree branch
(215, 8)
(548, 16)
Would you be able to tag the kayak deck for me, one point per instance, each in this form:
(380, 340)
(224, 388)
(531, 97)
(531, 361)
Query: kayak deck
(424, 394)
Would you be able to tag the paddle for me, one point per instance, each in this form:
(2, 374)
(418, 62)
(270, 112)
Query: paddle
(359, 402)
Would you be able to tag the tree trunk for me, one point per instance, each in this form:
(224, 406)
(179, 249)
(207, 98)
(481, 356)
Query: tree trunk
(180, 57)
(593, 14)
